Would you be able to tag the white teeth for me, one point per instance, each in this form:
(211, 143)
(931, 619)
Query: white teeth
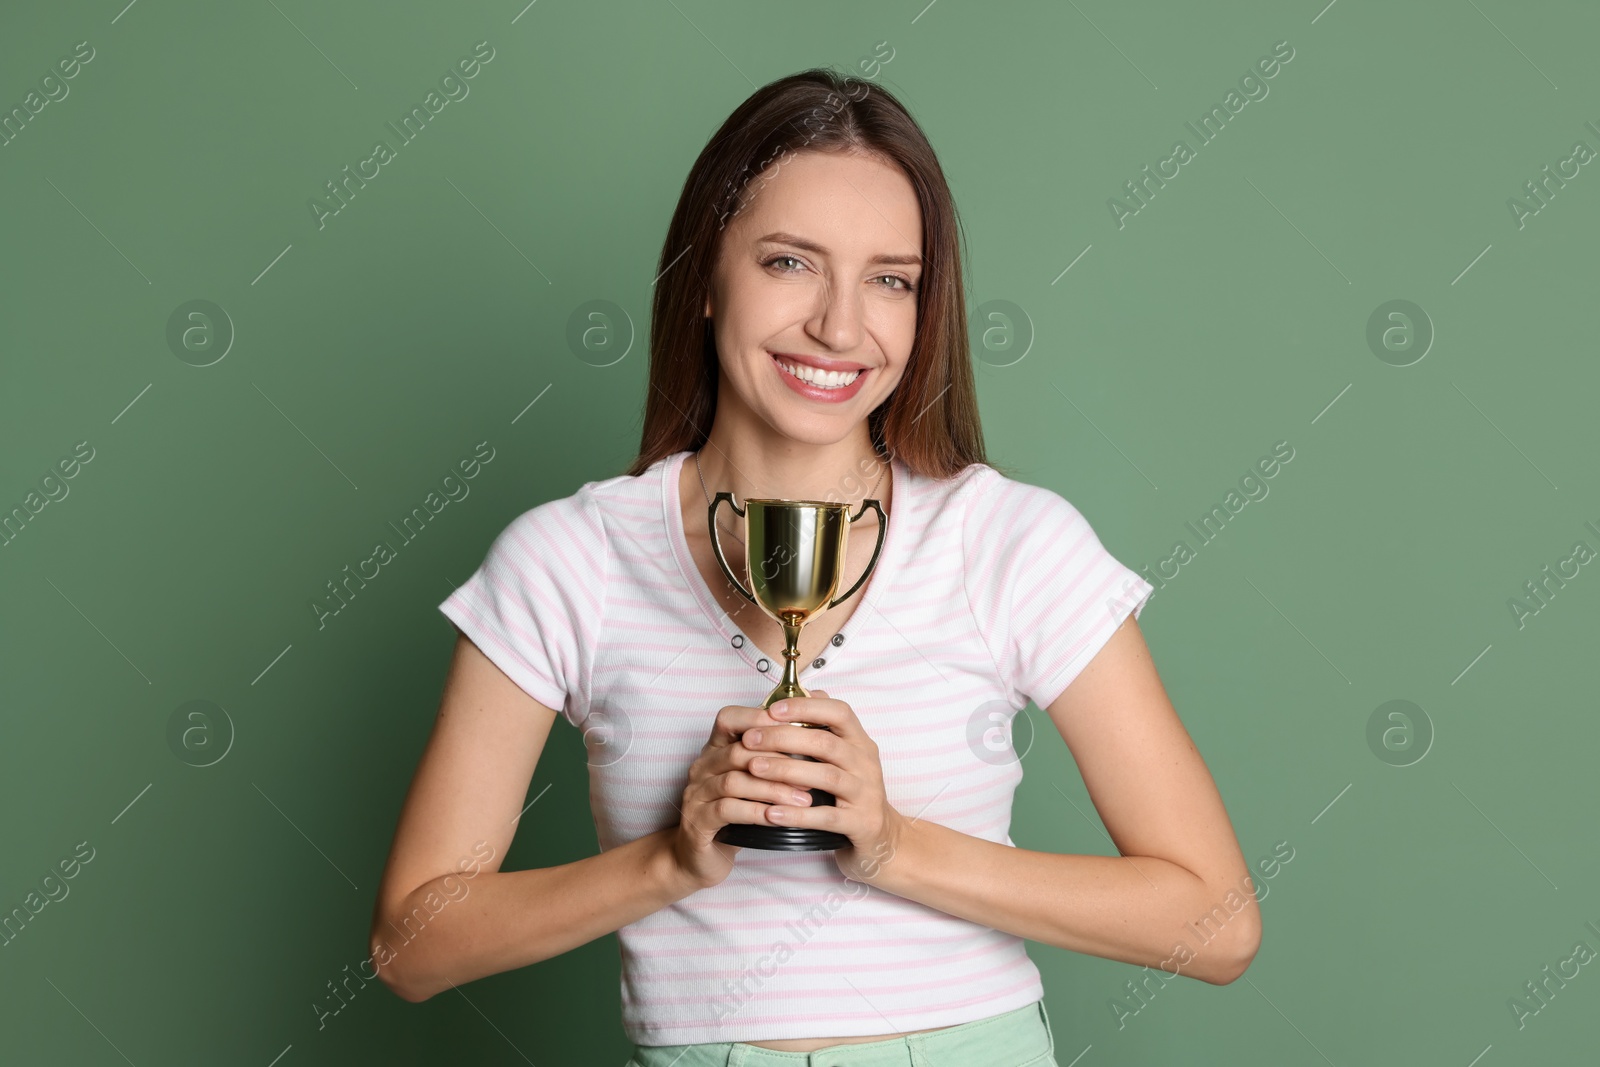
(823, 379)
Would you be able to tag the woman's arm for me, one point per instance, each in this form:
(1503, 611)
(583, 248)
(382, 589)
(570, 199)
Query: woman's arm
(1180, 862)
(442, 926)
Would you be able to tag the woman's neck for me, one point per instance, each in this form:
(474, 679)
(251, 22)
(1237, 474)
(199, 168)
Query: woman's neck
(751, 466)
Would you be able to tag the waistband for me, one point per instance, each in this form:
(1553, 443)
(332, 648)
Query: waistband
(1010, 1039)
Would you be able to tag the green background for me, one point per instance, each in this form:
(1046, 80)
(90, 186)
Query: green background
(370, 355)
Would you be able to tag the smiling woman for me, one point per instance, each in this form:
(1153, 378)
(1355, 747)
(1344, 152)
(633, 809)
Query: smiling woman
(858, 303)
(808, 329)
(833, 380)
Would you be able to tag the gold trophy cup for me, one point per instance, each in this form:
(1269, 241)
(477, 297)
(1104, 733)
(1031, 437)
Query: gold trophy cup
(795, 554)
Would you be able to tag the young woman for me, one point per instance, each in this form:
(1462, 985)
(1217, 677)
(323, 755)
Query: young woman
(808, 341)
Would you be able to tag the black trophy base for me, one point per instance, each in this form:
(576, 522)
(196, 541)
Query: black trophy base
(781, 838)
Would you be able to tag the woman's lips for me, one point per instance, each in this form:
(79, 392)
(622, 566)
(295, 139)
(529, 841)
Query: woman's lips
(812, 392)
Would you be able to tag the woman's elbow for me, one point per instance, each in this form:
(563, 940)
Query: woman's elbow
(1245, 942)
(399, 988)
(400, 982)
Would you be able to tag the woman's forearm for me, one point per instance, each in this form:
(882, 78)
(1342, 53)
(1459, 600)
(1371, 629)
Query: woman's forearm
(510, 919)
(1136, 909)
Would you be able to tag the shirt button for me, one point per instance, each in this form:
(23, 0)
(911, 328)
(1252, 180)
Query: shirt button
(818, 662)
(738, 640)
(838, 639)
(762, 665)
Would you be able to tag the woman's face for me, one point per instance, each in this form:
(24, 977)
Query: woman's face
(819, 270)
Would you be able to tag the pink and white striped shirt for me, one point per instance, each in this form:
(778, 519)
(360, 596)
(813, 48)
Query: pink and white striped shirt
(989, 592)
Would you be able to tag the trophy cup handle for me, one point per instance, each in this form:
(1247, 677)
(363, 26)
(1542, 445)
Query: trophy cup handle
(883, 529)
(716, 545)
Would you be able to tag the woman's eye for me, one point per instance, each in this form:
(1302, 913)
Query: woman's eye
(777, 261)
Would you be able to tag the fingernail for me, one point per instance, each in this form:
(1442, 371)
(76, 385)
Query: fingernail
(780, 709)
(758, 765)
(802, 798)
(776, 813)
(753, 737)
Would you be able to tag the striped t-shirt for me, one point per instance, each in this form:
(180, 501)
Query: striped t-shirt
(989, 592)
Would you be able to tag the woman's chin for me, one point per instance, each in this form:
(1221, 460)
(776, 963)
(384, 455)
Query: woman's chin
(817, 430)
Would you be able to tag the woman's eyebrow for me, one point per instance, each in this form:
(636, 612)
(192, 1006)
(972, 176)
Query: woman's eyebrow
(780, 237)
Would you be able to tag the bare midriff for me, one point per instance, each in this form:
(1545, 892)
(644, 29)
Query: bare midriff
(812, 1044)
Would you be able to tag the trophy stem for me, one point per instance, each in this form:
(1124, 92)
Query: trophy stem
(788, 685)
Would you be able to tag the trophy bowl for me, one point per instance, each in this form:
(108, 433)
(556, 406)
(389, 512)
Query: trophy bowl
(795, 555)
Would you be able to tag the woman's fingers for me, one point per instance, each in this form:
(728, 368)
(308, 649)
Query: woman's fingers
(837, 715)
(734, 795)
(800, 775)
(733, 809)
(742, 785)
(733, 720)
(810, 741)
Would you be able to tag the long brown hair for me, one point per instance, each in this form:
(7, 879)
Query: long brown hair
(930, 421)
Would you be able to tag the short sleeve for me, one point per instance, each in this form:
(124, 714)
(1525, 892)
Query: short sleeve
(1046, 594)
(534, 605)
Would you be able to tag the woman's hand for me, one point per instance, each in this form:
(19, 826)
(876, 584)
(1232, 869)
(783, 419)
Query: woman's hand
(720, 791)
(849, 769)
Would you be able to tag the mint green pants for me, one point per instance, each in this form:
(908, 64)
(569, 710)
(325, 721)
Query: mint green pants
(1018, 1038)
